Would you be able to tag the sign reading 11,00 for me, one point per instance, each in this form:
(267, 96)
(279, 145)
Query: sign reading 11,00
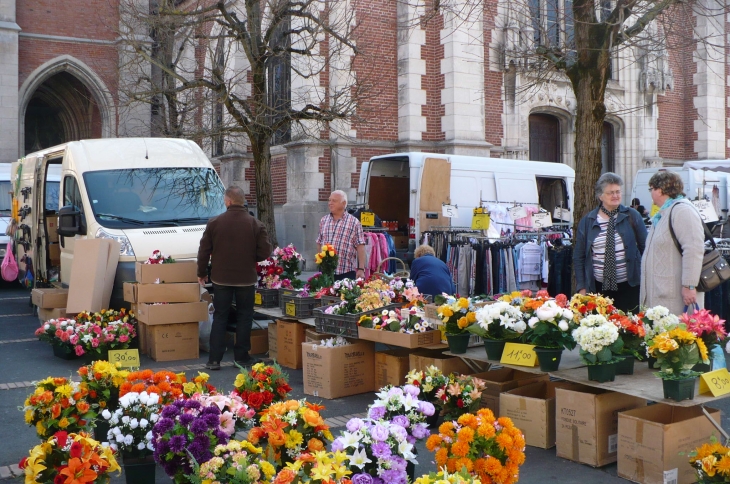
(519, 354)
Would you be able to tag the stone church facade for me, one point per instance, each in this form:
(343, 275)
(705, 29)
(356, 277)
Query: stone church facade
(444, 85)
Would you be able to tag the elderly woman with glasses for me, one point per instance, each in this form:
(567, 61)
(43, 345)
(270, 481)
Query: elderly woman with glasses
(669, 273)
(608, 247)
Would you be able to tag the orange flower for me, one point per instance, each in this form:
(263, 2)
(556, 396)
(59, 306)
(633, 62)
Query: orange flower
(164, 387)
(153, 389)
(137, 388)
(125, 388)
(55, 410)
(487, 431)
(480, 465)
(486, 414)
(451, 465)
(273, 425)
(82, 406)
(468, 420)
(493, 466)
(315, 445)
(315, 407)
(285, 476)
(504, 441)
(460, 449)
(255, 434)
(441, 456)
(464, 462)
(465, 434)
(78, 472)
(83, 371)
(433, 441)
(277, 438)
(311, 417)
(505, 422)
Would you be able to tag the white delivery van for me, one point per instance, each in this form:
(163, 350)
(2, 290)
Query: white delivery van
(410, 188)
(146, 193)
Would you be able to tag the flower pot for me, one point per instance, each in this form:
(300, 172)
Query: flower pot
(679, 390)
(458, 343)
(602, 373)
(652, 363)
(701, 367)
(101, 429)
(139, 470)
(626, 365)
(549, 358)
(64, 352)
(494, 348)
(411, 471)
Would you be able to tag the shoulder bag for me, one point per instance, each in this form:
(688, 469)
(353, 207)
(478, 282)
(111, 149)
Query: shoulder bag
(715, 270)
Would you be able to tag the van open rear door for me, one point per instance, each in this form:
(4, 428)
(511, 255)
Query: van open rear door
(435, 191)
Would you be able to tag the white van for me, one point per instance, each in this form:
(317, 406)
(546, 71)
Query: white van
(410, 188)
(147, 193)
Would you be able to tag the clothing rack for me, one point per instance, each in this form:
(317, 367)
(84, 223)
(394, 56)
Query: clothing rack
(375, 229)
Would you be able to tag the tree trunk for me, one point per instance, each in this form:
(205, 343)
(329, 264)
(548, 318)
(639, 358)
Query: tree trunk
(264, 194)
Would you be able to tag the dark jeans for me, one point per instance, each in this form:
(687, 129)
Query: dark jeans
(626, 298)
(346, 275)
(224, 296)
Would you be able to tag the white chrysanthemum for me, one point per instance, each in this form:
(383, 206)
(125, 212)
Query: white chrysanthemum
(595, 333)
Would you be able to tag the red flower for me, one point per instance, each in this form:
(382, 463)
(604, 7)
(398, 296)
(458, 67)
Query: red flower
(460, 403)
(268, 397)
(61, 437)
(255, 400)
(76, 449)
(23, 462)
(59, 479)
(583, 309)
(416, 383)
(591, 306)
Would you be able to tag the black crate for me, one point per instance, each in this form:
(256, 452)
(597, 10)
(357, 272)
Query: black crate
(266, 298)
(286, 292)
(345, 324)
(327, 300)
(302, 306)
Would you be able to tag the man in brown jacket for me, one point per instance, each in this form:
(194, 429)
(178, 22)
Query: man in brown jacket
(236, 241)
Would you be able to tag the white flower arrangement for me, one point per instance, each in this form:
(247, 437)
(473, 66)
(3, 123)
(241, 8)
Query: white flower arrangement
(595, 333)
(130, 425)
(659, 320)
(500, 320)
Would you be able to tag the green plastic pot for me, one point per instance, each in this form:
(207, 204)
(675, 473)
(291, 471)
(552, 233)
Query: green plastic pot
(602, 373)
(679, 390)
(458, 343)
(494, 348)
(626, 365)
(549, 358)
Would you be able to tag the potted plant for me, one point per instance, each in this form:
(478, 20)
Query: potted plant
(95, 339)
(59, 333)
(236, 463)
(429, 381)
(631, 331)
(457, 315)
(289, 259)
(491, 449)
(708, 327)
(711, 462)
(262, 385)
(69, 457)
(130, 434)
(657, 320)
(498, 323)
(58, 404)
(677, 351)
(461, 394)
(549, 328)
(599, 343)
(327, 260)
(102, 380)
(168, 385)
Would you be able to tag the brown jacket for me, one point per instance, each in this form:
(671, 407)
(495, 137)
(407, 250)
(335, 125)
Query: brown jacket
(236, 241)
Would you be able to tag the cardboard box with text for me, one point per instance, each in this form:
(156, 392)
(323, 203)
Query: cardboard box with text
(290, 336)
(191, 312)
(340, 371)
(171, 342)
(49, 298)
(161, 293)
(312, 336)
(422, 359)
(503, 380)
(391, 367)
(180, 271)
(273, 341)
(91, 282)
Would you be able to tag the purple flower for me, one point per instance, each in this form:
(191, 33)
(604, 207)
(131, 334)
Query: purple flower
(362, 478)
(411, 439)
(194, 404)
(393, 476)
(379, 433)
(185, 419)
(199, 427)
(381, 450)
(376, 413)
(398, 463)
(162, 446)
(377, 480)
(401, 421)
(412, 390)
(337, 445)
(398, 432)
(213, 421)
(164, 425)
(177, 443)
(355, 424)
(170, 468)
(211, 410)
(420, 431)
(426, 408)
(221, 436)
(198, 447)
(170, 411)
(180, 404)
(395, 392)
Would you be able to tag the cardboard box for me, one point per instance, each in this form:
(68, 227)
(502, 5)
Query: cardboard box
(333, 372)
(259, 341)
(171, 342)
(52, 228)
(532, 409)
(391, 367)
(170, 293)
(92, 278)
(290, 336)
(587, 423)
(273, 340)
(191, 312)
(54, 254)
(181, 271)
(44, 314)
(312, 336)
(653, 442)
(422, 359)
(503, 380)
(403, 340)
(49, 298)
(144, 344)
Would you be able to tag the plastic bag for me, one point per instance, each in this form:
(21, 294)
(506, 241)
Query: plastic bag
(9, 268)
(204, 328)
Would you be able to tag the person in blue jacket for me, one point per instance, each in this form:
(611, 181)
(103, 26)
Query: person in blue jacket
(430, 274)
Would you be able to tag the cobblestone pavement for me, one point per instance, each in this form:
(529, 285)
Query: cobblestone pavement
(24, 359)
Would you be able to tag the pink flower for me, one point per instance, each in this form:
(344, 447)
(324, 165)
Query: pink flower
(123, 338)
(64, 337)
(79, 350)
(228, 424)
(94, 342)
(58, 333)
(74, 339)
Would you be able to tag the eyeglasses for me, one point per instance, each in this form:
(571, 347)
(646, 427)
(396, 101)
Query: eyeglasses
(611, 194)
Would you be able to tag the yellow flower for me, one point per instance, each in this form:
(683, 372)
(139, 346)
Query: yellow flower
(708, 465)
(28, 416)
(267, 469)
(471, 316)
(463, 303)
(293, 439)
(445, 311)
(189, 388)
(63, 423)
(317, 258)
(463, 322)
(65, 390)
(40, 428)
(331, 254)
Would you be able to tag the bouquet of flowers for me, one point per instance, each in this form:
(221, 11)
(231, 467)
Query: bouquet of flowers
(703, 324)
(58, 404)
(103, 380)
(445, 477)
(677, 351)
(168, 385)
(390, 320)
(499, 321)
(270, 275)
(320, 467)
(327, 261)
(399, 286)
(345, 289)
(586, 304)
(429, 381)
(288, 259)
(69, 458)
(375, 294)
(186, 430)
(236, 463)
(106, 316)
(158, 257)
(598, 340)
(711, 462)
(401, 406)
(318, 283)
(199, 385)
(98, 339)
(492, 449)
(456, 314)
(631, 331)
(658, 320)
(130, 425)
(57, 332)
(460, 395)
(262, 385)
(550, 326)
(289, 429)
(234, 413)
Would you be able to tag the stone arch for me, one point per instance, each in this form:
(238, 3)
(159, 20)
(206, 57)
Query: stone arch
(61, 86)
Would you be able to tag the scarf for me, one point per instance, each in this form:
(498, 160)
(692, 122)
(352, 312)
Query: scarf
(655, 219)
(609, 260)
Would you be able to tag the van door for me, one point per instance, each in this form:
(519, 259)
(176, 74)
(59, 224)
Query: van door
(435, 190)
(516, 187)
(363, 183)
(71, 197)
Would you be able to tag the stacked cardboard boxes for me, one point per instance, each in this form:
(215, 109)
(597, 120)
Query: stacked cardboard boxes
(168, 306)
(51, 303)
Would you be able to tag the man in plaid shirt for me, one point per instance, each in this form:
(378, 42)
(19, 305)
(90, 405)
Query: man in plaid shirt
(344, 232)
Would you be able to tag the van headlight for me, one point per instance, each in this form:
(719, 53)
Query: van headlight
(126, 247)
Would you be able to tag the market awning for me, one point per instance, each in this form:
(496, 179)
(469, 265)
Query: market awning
(709, 165)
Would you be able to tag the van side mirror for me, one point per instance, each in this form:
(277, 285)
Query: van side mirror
(71, 222)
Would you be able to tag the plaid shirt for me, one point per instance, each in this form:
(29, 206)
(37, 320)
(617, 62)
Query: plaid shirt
(345, 235)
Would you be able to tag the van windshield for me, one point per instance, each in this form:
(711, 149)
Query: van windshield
(154, 196)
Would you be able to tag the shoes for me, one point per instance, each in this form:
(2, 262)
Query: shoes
(213, 365)
(252, 360)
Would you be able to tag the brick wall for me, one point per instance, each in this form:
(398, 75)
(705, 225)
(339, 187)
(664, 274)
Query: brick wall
(89, 19)
(493, 107)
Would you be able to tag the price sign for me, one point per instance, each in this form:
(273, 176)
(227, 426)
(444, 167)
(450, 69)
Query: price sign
(125, 358)
(716, 382)
(450, 211)
(707, 211)
(517, 212)
(541, 220)
(519, 354)
(257, 299)
(561, 214)
(367, 219)
(291, 309)
(480, 219)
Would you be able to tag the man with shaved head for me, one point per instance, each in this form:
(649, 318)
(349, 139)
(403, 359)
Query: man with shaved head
(344, 232)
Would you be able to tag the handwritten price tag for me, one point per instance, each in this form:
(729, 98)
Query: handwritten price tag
(367, 219)
(125, 358)
(519, 354)
(480, 219)
(517, 212)
(257, 299)
(561, 214)
(541, 220)
(450, 211)
(291, 309)
(707, 211)
(716, 382)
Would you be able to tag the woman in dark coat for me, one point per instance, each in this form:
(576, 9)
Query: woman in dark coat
(430, 274)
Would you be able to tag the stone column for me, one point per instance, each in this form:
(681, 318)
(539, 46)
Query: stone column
(9, 143)
(135, 118)
(411, 69)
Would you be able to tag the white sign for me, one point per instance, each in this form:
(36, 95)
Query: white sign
(561, 214)
(450, 211)
(707, 211)
(541, 220)
(517, 212)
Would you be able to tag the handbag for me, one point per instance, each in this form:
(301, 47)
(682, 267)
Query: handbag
(715, 269)
(9, 268)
